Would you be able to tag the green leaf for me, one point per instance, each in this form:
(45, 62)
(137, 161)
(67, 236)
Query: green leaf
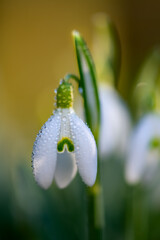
(146, 93)
(88, 84)
(106, 49)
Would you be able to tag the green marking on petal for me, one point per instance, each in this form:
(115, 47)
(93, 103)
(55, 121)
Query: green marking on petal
(65, 141)
(155, 143)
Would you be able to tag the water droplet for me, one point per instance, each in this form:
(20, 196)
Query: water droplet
(64, 119)
(80, 90)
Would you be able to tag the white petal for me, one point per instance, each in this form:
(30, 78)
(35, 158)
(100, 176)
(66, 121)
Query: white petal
(45, 151)
(66, 168)
(115, 123)
(140, 157)
(85, 149)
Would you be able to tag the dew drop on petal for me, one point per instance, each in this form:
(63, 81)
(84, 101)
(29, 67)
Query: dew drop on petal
(64, 119)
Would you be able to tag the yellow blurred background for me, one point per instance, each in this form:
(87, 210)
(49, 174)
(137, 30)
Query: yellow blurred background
(36, 50)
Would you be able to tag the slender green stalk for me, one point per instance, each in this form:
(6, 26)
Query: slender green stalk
(137, 218)
(140, 213)
(95, 205)
(88, 83)
(71, 76)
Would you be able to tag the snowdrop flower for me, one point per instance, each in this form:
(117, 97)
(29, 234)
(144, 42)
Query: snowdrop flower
(144, 150)
(115, 123)
(64, 144)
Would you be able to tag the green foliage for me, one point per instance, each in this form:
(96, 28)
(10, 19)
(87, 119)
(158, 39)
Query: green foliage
(88, 84)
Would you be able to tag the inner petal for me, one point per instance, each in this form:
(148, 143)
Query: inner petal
(66, 168)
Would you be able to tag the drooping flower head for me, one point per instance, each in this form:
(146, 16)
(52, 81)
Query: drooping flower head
(115, 123)
(63, 145)
(144, 149)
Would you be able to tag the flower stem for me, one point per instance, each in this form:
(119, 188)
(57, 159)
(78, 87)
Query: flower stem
(71, 76)
(140, 213)
(137, 220)
(95, 211)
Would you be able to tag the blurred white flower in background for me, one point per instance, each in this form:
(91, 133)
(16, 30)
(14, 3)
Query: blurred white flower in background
(115, 118)
(144, 150)
(115, 123)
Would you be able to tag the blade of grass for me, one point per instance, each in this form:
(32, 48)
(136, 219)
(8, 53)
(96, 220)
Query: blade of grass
(106, 49)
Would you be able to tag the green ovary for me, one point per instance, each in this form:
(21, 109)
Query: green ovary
(65, 141)
(155, 143)
(65, 95)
